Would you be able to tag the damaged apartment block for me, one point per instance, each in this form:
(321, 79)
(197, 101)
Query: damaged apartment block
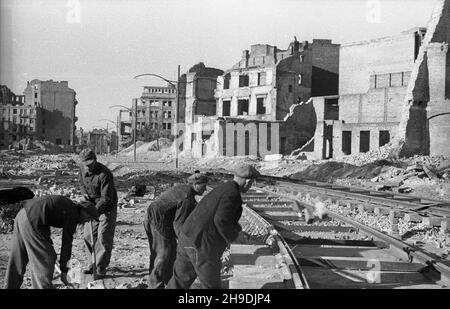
(45, 112)
(260, 106)
(389, 88)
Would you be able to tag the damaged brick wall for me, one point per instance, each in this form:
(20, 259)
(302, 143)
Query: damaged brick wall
(425, 123)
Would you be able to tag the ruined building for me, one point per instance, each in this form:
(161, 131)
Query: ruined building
(155, 115)
(17, 120)
(373, 77)
(196, 100)
(260, 100)
(57, 103)
(425, 123)
(390, 88)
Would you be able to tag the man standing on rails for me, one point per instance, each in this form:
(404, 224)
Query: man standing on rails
(97, 186)
(32, 242)
(211, 226)
(164, 219)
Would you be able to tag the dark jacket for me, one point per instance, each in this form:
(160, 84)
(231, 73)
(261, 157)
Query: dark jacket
(54, 211)
(214, 223)
(168, 213)
(99, 186)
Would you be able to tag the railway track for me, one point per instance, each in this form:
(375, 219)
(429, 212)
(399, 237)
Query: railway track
(339, 252)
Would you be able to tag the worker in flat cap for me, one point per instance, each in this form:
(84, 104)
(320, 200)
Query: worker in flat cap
(208, 230)
(163, 221)
(97, 186)
(32, 239)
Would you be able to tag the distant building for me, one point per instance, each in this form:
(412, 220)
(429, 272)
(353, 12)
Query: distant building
(263, 100)
(58, 103)
(197, 99)
(102, 141)
(156, 116)
(17, 120)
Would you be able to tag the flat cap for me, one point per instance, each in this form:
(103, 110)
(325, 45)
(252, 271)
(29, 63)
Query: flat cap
(197, 178)
(90, 208)
(246, 171)
(87, 156)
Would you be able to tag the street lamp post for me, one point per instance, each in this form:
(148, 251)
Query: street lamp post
(177, 102)
(134, 115)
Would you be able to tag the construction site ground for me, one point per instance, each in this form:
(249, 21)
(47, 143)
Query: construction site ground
(56, 174)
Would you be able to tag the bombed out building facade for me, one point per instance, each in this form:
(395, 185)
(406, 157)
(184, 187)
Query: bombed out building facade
(262, 101)
(45, 112)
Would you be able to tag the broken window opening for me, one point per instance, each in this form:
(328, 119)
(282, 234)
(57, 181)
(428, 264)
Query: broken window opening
(331, 110)
(347, 142)
(226, 105)
(260, 108)
(243, 107)
(261, 78)
(226, 81)
(243, 81)
(384, 138)
(364, 141)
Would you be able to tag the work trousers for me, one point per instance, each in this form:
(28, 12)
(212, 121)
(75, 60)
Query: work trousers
(103, 231)
(162, 256)
(28, 246)
(191, 262)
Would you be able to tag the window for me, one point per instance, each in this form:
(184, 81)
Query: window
(260, 108)
(331, 111)
(43, 122)
(364, 141)
(58, 141)
(261, 78)
(300, 79)
(169, 114)
(243, 81)
(226, 108)
(169, 126)
(169, 103)
(43, 131)
(384, 138)
(347, 142)
(226, 81)
(35, 95)
(243, 107)
(14, 111)
(301, 58)
(290, 88)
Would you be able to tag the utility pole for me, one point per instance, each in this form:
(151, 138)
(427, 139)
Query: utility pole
(177, 118)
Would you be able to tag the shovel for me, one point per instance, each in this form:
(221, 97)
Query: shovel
(93, 257)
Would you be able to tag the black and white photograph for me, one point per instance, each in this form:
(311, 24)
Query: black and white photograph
(254, 146)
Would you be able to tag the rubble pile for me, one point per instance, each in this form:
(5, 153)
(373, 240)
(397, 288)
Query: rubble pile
(7, 214)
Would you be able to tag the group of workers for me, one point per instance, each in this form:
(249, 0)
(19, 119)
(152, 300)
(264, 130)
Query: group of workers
(186, 238)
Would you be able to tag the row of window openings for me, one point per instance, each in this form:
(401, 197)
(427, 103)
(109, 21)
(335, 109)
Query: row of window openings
(21, 120)
(243, 107)
(21, 111)
(156, 103)
(158, 90)
(388, 80)
(166, 115)
(244, 80)
(364, 141)
(154, 126)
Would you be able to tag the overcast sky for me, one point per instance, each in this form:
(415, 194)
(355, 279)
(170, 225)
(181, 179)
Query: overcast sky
(99, 45)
